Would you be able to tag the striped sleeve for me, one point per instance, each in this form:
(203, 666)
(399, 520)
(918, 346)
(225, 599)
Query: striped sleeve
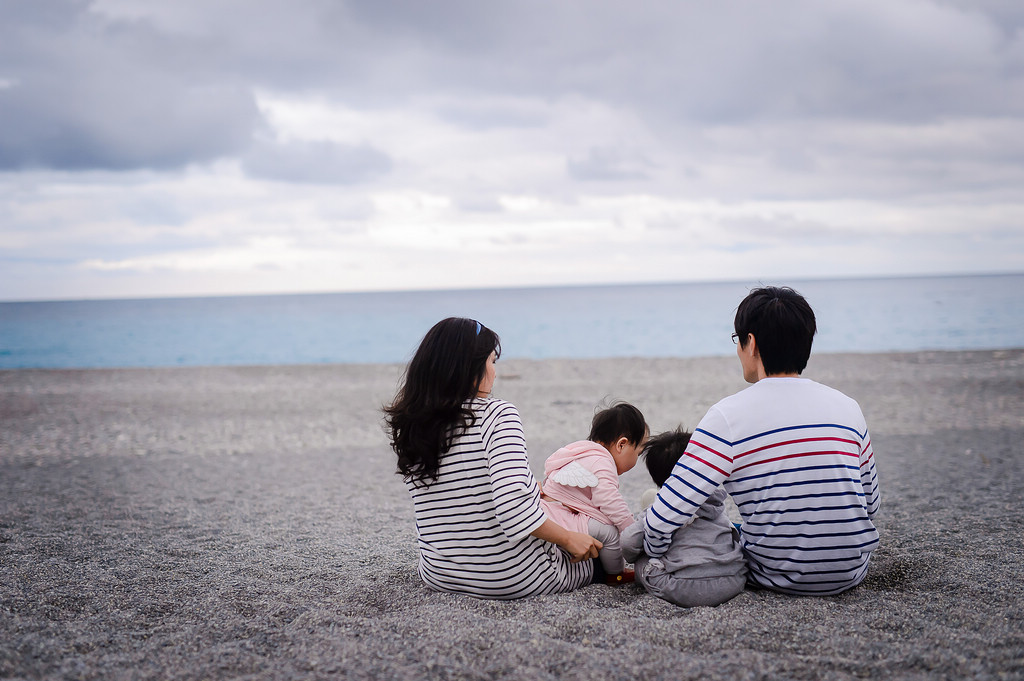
(514, 490)
(869, 477)
(707, 462)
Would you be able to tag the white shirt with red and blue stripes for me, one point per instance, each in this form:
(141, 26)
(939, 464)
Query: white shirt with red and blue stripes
(796, 457)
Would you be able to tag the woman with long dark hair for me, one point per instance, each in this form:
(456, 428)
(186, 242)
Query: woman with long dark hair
(462, 454)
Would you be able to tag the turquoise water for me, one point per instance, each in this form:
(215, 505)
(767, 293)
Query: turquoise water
(658, 320)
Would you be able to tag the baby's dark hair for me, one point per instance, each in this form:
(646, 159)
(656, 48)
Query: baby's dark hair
(663, 451)
(619, 420)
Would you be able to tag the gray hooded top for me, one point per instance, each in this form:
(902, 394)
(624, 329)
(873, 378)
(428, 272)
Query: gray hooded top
(708, 547)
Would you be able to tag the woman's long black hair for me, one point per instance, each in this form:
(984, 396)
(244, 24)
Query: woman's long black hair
(429, 410)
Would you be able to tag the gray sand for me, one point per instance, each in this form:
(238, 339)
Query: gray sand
(246, 523)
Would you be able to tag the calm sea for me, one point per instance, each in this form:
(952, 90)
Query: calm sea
(664, 320)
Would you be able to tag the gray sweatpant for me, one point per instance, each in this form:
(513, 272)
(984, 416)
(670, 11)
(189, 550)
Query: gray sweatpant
(611, 555)
(687, 592)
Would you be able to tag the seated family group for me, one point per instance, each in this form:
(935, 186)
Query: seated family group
(794, 455)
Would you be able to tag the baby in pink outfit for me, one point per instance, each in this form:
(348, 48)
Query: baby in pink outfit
(581, 482)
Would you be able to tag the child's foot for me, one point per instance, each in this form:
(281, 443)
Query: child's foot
(627, 577)
(648, 497)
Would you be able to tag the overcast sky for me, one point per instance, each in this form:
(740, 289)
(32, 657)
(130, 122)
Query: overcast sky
(257, 146)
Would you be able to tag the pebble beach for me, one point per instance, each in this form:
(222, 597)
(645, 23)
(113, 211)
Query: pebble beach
(242, 523)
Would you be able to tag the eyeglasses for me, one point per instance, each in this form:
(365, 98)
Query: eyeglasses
(735, 339)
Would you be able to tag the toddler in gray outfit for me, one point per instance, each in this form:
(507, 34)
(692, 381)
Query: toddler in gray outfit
(704, 565)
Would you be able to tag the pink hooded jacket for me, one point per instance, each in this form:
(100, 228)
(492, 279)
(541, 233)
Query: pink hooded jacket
(603, 503)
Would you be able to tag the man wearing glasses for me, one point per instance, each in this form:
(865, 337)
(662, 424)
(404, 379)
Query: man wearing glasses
(795, 456)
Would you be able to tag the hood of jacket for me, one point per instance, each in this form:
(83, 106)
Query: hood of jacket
(572, 452)
(714, 505)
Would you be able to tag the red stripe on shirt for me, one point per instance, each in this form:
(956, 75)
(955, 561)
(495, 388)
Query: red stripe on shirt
(796, 442)
(706, 448)
(706, 463)
(792, 456)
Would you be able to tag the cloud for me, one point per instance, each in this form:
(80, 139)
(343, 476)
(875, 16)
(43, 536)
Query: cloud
(607, 164)
(235, 146)
(84, 95)
(108, 124)
(319, 162)
(728, 61)
(124, 84)
(485, 114)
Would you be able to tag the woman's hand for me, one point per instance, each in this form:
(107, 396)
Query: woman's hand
(581, 546)
(578, 545)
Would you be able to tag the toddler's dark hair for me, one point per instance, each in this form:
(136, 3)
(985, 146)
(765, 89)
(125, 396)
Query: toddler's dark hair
(663, 451)
(619, 420)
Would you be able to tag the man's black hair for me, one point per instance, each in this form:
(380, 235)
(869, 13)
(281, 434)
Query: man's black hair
(783, 326)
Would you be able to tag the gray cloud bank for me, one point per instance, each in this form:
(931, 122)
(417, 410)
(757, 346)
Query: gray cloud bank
(118, 85)
(316, 162)
(195, 146)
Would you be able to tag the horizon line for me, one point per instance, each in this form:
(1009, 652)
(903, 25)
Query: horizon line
(760, 280)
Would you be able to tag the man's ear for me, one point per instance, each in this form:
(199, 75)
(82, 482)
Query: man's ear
(757, 358)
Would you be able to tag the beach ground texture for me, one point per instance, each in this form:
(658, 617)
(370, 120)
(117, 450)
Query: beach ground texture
(247, 523)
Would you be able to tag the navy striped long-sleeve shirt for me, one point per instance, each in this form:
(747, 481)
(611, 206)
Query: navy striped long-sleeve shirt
(474, 521)
(796, 457)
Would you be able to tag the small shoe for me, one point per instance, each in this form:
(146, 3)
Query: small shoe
(627, 577)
